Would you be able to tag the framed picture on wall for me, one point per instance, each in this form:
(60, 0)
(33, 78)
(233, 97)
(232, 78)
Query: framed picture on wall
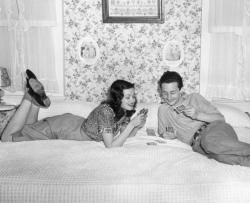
(88, 50)
(132, 11)
(173, 53)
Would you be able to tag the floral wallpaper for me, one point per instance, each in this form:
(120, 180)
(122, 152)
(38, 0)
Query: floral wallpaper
(133, 52)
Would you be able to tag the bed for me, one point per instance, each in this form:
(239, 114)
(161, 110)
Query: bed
(165, 171)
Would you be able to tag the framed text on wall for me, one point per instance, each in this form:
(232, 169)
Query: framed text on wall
(132, 11)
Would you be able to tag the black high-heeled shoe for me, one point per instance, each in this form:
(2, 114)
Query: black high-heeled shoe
(39, 96)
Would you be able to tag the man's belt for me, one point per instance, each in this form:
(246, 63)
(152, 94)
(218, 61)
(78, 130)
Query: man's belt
(197, 133)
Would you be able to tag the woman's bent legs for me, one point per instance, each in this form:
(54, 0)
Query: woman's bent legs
(33, 114)
(18, 120)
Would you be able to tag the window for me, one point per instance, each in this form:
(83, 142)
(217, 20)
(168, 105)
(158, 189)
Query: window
(32, 37)
(225, 61)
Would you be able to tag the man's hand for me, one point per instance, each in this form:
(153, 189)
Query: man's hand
(170, 136)
(191, 112)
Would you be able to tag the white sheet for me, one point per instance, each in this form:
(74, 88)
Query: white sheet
(243, 133)
(72, 171)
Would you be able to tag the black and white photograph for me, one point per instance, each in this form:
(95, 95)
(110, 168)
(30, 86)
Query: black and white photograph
(124, 101)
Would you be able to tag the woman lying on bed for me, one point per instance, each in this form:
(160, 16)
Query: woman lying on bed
(109, 122)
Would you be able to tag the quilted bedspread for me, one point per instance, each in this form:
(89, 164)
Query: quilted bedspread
(146, 169)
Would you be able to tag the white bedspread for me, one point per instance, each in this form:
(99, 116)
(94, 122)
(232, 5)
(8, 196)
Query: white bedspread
(72, 171)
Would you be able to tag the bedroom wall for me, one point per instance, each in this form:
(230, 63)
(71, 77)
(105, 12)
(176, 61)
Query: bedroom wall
(129, 51)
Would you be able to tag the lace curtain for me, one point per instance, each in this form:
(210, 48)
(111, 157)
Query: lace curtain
(27, 41)
(229, 62)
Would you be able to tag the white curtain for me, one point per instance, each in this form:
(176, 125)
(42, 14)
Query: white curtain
(229, 61)
(27, 41)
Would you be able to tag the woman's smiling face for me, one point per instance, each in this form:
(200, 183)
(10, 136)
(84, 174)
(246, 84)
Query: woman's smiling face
(129, 99)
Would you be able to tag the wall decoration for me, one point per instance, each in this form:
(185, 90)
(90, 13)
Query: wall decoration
(132, 11)
(173, 53)
(133, 52)
(88, 50)
(164, 66)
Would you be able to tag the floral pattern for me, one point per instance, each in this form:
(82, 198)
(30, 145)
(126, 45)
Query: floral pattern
(133, 52)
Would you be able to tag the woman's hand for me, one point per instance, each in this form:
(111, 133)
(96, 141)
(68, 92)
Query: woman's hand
(143, 122)
(139, 121)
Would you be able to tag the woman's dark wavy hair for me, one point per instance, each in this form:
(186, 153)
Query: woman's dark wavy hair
(115, 95)
(169, 77)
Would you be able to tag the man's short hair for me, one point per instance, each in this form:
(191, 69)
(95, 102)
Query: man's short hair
(169, 77)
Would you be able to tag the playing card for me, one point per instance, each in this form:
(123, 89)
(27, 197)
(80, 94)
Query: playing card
(143, 111)
(180, 109)
(150, 132)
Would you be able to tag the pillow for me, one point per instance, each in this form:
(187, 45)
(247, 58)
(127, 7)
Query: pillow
(233, 115)
(58, 107)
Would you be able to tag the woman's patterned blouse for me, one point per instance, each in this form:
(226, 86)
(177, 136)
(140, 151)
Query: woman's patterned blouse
(101, 119)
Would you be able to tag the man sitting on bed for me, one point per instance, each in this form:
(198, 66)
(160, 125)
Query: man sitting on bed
(195, 121)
